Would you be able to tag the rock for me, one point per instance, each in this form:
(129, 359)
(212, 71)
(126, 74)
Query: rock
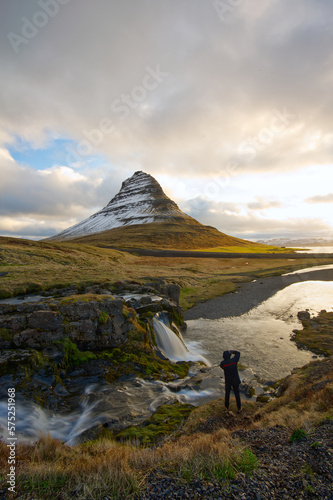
(173, 292)
(303, 315)
(45, 320)
(60, 390)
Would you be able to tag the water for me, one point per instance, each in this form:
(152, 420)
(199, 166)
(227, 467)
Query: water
(173, 346)
(263, 335)
(120, 405)
(324, 249)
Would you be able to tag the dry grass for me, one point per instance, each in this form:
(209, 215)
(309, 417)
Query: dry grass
(52, 470)
(187, 234)
(317, 334)
(27, 266)
(307, 397)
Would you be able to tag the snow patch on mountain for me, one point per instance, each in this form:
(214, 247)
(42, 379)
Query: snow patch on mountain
(141, 200)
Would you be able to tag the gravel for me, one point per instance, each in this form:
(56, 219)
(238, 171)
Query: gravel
(298, 470)
(250, 295)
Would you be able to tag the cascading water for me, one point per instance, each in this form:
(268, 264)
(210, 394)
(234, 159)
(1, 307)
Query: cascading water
(171, 345)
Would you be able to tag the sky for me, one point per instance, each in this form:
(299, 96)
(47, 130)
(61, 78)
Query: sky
(227, 103)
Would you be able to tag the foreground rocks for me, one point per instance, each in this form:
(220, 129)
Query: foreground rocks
(50, 350)
(286, 470)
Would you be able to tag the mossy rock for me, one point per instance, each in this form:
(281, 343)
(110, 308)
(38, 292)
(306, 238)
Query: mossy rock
(165, 421)
(5, 294)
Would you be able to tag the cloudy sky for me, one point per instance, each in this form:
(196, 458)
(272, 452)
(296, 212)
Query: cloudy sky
(227, 103)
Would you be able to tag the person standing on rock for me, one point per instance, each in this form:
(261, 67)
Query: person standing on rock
(232, 380)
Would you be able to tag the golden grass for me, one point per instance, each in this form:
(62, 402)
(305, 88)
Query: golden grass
(317, 334)
(33, 266)
(307, 398)
(188, 234)
(50, 470)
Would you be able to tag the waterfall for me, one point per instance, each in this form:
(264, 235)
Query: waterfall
(171, 345)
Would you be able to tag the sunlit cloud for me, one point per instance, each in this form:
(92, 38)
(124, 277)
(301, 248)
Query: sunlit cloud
(235, 113)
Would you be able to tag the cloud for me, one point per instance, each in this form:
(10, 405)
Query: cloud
(55, 193)
(327, 198)
(262, 204)
(233, 219)
(261, 81)
(161, 87)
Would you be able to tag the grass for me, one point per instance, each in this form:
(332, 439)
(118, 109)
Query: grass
(306, 398)
(49, 469)
(36, 266)
(250, 248)
(188, 234)
(298, 435)
(317, 334)
(164, 422)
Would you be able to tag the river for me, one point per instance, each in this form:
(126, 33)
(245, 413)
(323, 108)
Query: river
(262, 334)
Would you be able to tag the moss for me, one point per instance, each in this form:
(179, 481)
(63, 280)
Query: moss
(137, 357)
(86, 297)
(165, 421)
(5, 293)
(103, 318)
(72, 354)
(33, 288)
(317, 334)
(6, 334)
(177, 317)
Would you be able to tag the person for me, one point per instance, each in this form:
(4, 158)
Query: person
(232, 380)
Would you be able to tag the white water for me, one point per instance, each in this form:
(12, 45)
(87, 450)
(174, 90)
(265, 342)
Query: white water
(262, 336)
(173, 346)
(119, 405)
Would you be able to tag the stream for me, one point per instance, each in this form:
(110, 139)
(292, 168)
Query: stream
(262, 335)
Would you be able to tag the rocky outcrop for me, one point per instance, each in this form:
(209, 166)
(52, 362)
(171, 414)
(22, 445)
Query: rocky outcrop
(55, 347)
(93, 323)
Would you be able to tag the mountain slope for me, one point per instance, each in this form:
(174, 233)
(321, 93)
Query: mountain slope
(184, 235)
(142, 216)
(140, 200)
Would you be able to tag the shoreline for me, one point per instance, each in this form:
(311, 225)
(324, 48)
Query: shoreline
(250, 295)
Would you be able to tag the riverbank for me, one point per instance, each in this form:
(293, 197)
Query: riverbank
(251, 294)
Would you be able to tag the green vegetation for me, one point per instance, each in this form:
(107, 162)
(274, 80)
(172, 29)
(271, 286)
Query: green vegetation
(317, 334)
(6, 334)
(248, 248)
(72, 354)
(38, 266)
(185, 235)
(207, 289)
(298, 435)
(103, 318)
(164, 422)
(137, 357)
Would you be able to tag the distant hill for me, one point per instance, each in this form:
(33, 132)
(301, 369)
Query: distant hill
(142, 216)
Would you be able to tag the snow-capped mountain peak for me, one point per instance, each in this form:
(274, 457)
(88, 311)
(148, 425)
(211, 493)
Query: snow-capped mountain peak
(141, 200)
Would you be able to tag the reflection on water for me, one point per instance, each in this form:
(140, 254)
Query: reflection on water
(316, 250)
(263, 335)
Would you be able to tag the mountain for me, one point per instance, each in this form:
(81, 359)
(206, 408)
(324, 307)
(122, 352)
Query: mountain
(141, 215)
(141, 200)
(298, 242)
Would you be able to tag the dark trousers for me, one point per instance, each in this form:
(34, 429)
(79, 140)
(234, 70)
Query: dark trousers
(235, 388)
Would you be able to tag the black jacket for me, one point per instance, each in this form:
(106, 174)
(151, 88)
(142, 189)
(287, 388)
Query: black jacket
(229, 367)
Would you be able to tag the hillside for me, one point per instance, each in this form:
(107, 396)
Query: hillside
(142, 216)
(184, 235)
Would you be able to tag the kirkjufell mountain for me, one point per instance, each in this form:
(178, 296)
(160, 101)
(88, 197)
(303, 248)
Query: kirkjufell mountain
(141, 215)
(141, 200)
